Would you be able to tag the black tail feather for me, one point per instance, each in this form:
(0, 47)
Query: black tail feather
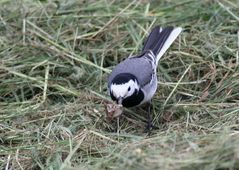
(156, 39)
(163, 36)
(152, 39)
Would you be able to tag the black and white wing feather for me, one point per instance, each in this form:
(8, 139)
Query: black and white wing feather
(160, 39)
(140, 66)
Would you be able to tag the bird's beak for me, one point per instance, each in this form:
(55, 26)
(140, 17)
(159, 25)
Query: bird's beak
(119, 100)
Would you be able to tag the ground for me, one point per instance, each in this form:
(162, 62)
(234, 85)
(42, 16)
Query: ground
(55, 60)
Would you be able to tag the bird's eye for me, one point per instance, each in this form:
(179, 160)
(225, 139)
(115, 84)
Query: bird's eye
(129, 89)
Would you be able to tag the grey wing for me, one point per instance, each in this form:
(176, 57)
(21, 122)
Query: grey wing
(141, 67)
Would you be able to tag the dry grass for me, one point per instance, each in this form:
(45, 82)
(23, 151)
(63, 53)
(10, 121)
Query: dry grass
(55, 59)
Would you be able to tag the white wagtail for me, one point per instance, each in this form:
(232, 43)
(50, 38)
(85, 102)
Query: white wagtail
(134, 81)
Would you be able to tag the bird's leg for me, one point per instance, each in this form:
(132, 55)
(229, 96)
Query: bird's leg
(149, 117)
(116, 125)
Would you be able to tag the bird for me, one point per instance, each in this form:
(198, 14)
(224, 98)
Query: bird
(133, 81)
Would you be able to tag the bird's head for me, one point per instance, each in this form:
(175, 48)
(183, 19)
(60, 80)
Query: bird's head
(123, 86)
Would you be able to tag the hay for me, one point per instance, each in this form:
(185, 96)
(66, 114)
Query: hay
(55, 59)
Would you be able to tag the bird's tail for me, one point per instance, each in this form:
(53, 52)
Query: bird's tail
(160, 39)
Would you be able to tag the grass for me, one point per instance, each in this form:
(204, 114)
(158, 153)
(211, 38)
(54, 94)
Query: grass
(55, 59)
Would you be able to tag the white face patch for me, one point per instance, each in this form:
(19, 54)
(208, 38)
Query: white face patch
(124, 90)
